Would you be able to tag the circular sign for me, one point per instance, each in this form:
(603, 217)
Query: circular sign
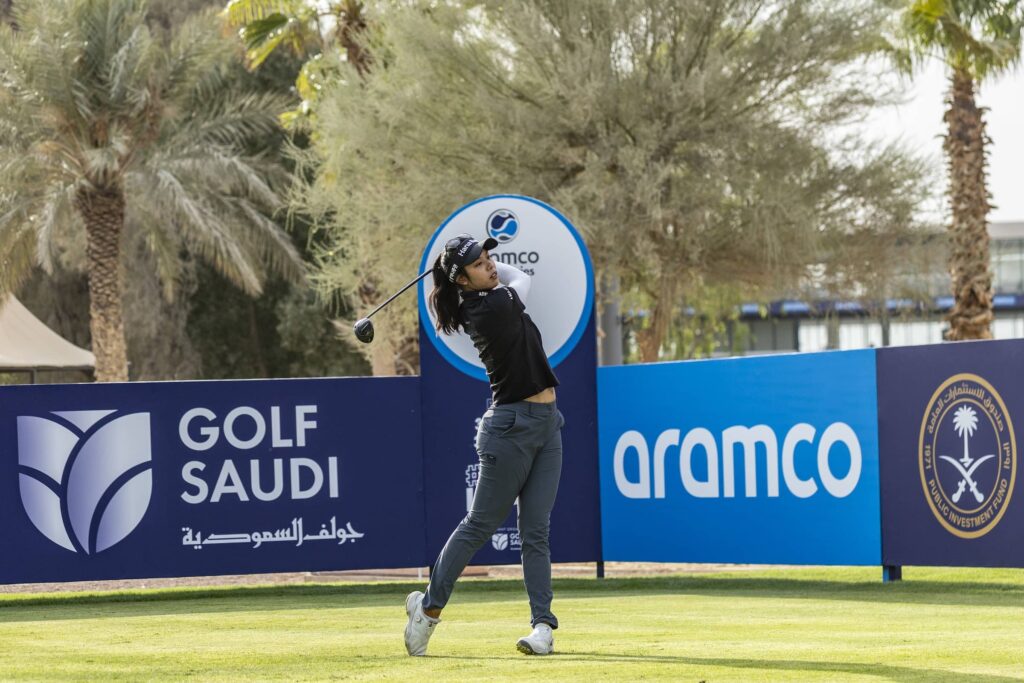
(967, 454)
(537, 240)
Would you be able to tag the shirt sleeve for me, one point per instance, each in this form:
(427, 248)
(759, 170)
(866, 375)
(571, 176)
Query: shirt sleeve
(514, 278)
(503, 308)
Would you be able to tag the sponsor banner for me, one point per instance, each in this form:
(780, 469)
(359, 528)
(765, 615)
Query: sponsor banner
(752, 460)
(948, 421)
(537, 239)
(541, 242)
(105, 481)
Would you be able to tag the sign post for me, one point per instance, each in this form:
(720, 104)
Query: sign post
(538, 240)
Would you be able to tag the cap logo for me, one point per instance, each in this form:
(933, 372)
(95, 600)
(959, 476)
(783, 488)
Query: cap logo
(453, 268)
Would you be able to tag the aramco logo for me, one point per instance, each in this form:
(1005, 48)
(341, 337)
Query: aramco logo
(503, 225)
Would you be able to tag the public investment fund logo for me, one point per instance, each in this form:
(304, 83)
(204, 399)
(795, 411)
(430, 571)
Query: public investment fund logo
(85, 476)
(503, 225)
(967, 455)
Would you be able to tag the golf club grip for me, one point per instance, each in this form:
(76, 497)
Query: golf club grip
(399, 292)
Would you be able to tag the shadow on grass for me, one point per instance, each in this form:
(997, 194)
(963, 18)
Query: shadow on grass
(766, 667)
(341, 596)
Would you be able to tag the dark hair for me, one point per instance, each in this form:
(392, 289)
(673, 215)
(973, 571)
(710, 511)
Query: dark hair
(444, 301)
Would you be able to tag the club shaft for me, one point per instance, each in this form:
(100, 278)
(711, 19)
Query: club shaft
(399, 292)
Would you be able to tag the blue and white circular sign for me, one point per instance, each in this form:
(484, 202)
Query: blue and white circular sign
(541, 242)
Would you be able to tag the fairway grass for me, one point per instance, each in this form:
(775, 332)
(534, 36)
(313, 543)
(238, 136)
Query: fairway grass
(780, 625)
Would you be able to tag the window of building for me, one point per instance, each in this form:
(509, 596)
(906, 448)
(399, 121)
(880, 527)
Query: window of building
(1008, 327)
(1008, 266)
(859, 334)
(913, 333)
(813, 336)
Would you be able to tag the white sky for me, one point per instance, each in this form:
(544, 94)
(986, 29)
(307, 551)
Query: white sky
(918, 123)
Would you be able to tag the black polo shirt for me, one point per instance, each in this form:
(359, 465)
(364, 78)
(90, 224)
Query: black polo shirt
(509, 344)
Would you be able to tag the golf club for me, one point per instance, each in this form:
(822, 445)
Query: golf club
(364, 327)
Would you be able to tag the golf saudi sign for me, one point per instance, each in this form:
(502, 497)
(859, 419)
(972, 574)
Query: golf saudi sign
(541, 242)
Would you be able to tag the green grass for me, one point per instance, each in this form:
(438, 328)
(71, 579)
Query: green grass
(801, 624)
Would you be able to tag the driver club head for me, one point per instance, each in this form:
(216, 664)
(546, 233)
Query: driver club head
(364, 330)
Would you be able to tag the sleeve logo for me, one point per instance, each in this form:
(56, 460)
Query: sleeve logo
(85, 476)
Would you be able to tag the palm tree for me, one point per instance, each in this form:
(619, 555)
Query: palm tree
(976, 39)
(965, 421)
(105, 124)
(303, 27)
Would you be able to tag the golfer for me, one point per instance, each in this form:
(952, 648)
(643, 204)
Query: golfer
(519, 441)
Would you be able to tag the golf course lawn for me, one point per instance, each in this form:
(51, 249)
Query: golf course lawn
(835, 624)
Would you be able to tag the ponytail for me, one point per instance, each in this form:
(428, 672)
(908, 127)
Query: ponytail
(444, 301)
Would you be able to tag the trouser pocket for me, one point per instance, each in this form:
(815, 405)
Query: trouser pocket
(496, 423)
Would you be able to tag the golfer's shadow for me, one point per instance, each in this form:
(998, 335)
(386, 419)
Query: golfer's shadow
(767, 666)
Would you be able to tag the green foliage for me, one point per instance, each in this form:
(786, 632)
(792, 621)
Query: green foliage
(317, 33)
(266, 25)
(284, 333)
(92, 98)
(204, 190)
(979, 37)
(696, 144)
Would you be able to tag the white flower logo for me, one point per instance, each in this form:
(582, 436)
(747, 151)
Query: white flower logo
(85, 476)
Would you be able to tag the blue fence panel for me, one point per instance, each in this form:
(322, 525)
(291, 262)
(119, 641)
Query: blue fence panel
(948, 416)
(760, 460)
(104, 481)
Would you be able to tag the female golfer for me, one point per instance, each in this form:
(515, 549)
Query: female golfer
(519, 440)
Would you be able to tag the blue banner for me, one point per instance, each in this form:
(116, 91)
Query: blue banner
(948, 416)
(105, 481)
(752, 460)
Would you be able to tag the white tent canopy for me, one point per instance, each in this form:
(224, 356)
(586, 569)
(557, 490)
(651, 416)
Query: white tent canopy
(27, 344)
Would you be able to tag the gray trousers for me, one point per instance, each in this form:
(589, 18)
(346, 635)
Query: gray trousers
(520, 449)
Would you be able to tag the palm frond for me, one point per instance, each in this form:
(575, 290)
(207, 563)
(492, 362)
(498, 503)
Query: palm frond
(56, 214)
(90, 96)
(160, 237)
(979, 36)
(236, 121)
(206, 233)
(265, 25)
(17, 247)
(239, 13)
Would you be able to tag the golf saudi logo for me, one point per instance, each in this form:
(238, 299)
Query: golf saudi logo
(85, 476)
(967, 455)
(541, 242)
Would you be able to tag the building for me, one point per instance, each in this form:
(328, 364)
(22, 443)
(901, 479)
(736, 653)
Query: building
(792, 325)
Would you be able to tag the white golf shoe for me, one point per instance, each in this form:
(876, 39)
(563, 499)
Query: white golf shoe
(419, 627)
(540, 642)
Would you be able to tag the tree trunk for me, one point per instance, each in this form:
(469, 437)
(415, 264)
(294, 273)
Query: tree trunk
(103, 213)
(255, 341)
(651, 337)
(351, 32)
(610, 322)
(6, 14)
(382, 360)
(964, 145)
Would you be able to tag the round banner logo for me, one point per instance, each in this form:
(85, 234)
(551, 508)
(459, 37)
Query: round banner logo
(537, 240)
(967, 455)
